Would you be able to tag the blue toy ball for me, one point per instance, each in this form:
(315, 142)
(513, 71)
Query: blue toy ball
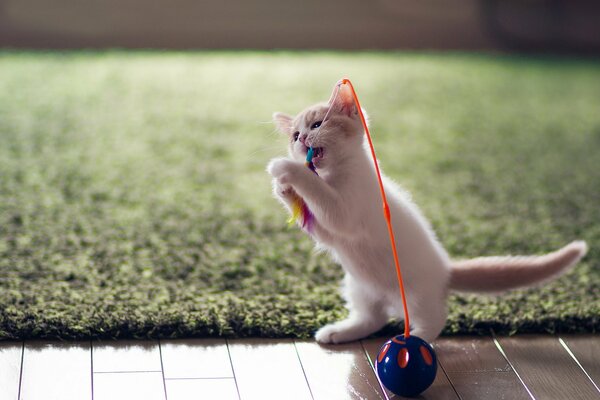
(406, 366)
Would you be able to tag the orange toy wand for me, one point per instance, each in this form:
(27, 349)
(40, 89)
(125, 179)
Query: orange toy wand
(406, 365)
(386, 208)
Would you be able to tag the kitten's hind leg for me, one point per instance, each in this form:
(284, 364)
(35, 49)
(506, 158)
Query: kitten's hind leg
(428, 318)
(353, 328)
(367, 315)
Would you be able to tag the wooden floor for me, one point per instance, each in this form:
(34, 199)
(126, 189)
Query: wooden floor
(522, 367)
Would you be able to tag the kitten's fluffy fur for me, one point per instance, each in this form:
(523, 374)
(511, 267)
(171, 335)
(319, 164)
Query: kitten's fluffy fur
(346, 203)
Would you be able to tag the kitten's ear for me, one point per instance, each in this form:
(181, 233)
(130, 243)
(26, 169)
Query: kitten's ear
(343, 102)
(283, 122)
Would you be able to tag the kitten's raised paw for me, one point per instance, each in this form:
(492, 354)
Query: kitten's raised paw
(284, 169)
(278, 167)
(283, 190)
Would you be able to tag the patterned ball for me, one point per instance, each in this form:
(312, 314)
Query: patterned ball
(406, 367)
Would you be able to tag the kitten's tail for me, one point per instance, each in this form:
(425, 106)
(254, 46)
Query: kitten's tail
(496, 274)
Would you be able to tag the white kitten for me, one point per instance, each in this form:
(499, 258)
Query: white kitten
(346, 203)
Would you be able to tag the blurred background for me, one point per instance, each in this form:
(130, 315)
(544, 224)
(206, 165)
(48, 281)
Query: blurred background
(571, 26)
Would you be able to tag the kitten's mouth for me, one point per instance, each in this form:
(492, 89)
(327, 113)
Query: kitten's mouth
(318, 153)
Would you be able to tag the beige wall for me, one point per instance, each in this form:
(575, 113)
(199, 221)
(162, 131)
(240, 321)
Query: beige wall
(345, 24)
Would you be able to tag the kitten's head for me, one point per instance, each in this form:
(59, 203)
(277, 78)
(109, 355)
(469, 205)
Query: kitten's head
(340, 135)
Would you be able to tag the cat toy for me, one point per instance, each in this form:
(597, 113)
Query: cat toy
(405, 364)
(300, 211)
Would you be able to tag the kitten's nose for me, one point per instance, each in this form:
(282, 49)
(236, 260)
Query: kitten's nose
(302, 138)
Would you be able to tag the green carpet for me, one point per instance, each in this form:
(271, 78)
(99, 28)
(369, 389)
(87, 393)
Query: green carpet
(134, 202)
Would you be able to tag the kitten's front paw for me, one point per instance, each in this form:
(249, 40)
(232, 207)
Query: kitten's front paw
(283, 190)
(281, 169)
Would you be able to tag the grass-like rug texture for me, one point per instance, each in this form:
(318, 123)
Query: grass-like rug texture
(134, 202)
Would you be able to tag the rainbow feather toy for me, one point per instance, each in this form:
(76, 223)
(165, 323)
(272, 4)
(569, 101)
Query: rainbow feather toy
(300, 211)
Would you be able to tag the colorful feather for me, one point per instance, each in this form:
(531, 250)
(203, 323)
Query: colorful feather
(300, 211)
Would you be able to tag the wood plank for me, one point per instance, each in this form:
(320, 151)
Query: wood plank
(470, 354)
(126, 356)
(195, 358)
(268, 369)
(440, 389)
(546, 368)
(338, 371)
(129, 386)
(477, 369)
(56, 371)
(10, 369)
(488, 385)
(586, 348)
(196, 389)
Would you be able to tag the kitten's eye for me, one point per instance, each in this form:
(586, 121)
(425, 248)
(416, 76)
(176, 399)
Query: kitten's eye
(296, 136)
(316, 125)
